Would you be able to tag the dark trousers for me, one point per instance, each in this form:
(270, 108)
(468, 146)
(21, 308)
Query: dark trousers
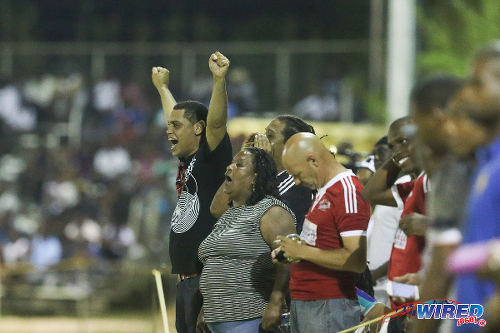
(397, 325)
(188, 304)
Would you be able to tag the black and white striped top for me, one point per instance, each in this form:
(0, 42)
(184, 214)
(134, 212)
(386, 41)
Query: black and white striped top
(238, 273)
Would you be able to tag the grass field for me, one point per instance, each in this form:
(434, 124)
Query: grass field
(18, 315)
(125, 323)
(133, 323)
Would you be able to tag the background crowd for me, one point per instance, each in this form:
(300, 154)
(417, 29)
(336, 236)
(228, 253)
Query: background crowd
(86, 173)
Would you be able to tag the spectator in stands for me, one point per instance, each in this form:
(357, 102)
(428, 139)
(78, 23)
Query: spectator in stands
(106, 95)
(199, 139)
(112, 160)
(429, 101)
(483, 106)
(16, 249)
(381, 152)
(382, 190)
(243, 93)
(12, 111)
(382, 229)
(450, 178)
(237, 250)
(365, 169)
(46, 248)
(332, 250)
(318, 105)
(297, 197)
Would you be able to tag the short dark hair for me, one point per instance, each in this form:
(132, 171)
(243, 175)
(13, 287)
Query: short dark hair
(382, 141)
(294, 125)
(435, 91)
(266, 182)
(193, 111)
(401, 121)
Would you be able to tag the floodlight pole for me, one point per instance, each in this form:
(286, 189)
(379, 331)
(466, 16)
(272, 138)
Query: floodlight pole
(400, 57)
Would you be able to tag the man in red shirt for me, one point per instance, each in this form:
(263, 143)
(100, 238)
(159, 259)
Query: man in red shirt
(409, 241)
(380, 190)
(333, 248)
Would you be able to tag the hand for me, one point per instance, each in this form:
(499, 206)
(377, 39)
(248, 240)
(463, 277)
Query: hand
(160, 77)
(414, 224)
(261, 141)
(218, 65)
(378, 310)
(271, 317)
(291, 248)
(248, 143)
(201, 327)
(408, 278)
(400, 157)
(274, 253)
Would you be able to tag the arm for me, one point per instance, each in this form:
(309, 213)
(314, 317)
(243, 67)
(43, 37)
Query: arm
(351, 257)
(414, 224)
(217, 111)
(220, 203)
(161, 77)
(276, 221)
(378, 189)
(437, 282)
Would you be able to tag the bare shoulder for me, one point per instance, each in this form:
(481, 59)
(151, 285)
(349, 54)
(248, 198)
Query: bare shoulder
(276, 212)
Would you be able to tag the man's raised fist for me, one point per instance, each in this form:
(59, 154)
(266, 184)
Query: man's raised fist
(160, 77)
(218, 64)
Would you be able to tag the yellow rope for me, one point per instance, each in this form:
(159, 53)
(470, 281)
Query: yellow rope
(385, 316)
(161, 298)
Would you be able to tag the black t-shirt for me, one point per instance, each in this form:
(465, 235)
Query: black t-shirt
(297, 197)
(198, 178)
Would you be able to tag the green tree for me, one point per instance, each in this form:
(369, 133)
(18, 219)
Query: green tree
(453, 30)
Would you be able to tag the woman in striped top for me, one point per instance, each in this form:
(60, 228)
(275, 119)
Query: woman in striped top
(239, 284)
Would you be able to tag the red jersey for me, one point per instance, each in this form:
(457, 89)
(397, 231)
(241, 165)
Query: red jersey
(337, 211)
(401, 191)
(406, 255)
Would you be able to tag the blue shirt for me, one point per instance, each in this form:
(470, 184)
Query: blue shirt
(483, 223)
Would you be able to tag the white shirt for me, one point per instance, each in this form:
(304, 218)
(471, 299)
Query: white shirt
(382, 229)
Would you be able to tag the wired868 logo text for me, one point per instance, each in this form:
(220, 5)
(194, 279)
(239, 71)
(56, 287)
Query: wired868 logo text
(443, 309)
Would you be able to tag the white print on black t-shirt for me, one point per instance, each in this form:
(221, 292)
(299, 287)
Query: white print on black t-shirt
(400, 239)
(188, 207)
(309, 232)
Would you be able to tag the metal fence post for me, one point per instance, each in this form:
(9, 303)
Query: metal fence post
(6, 67)
(188, 69)
(283, 78)
(97, 63)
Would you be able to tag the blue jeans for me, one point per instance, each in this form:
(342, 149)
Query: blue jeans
(324, 316)
(240, 326)
(187, 305)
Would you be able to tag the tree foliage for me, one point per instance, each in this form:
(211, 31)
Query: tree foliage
(453, 30)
